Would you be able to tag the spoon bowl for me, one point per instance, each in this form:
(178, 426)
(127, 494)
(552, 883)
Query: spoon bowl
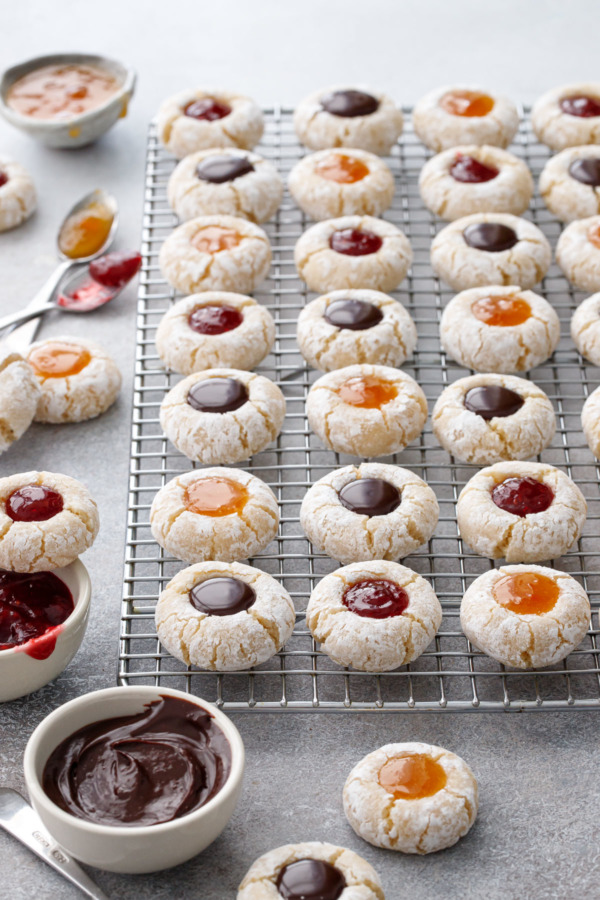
(101, 198)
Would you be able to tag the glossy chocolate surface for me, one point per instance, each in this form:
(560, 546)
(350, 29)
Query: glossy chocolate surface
(349, 104)
(219, 169)
(493, 401)
(310, 879)
(490, 236)
(354, 315)
(370, 497)
(217, 395)
(222, 596)
(586, 169)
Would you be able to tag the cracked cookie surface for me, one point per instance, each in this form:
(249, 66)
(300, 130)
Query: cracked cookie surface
(585, 328)
(440, 130)
(18, 198)
(558, 129)
(578, 253)
(19, 397)
(566, 196)
(590, 422)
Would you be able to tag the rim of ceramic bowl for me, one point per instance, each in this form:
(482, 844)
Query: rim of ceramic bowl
(143, 693)
(10, 75)
(81, 596)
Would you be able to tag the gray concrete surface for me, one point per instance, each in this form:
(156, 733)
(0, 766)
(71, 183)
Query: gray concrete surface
(535, 836)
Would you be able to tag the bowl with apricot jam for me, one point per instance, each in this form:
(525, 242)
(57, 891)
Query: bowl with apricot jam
(66, 99)
(43, 617)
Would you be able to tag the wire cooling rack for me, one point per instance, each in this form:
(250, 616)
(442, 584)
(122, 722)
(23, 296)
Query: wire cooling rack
(451, 675)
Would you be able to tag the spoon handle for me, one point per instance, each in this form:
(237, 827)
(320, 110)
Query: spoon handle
(20, 338)
(24, 315)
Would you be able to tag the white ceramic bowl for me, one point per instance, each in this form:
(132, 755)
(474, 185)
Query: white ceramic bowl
(21, 674)
(139, 848)
(79, 130)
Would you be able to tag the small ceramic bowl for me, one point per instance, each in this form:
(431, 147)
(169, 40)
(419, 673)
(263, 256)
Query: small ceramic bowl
(134, 849)
(20, 673)
(79, 130)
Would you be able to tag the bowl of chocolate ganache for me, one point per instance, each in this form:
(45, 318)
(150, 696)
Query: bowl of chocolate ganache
(135, 779)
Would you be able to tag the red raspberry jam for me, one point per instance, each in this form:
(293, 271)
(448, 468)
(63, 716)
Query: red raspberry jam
(522, 496)
(215, 319)
(207, 109)
(32, 607)
(354, 242)
(33, 503)
(3, 178)
(469, 170)
(581, 106)
(115, 269)
(376, 598)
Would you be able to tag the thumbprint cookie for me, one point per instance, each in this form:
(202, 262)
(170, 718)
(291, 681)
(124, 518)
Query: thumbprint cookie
(568, 116)
(585, 328)
(570, 183)
(590, 422)
(18, 198)
(19, 397)
(578, 253)
(453, 115)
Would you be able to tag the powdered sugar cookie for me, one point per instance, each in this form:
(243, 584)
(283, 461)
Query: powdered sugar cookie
(353, 252)
(222, 415)
(467, 179)
(570, 183)
(345, 116)
(568, 116)
(411, 797)
(578, 253)
(217, 513)
(366, 410)
(46, 521)
(490, 248)
(355, 326)
(311, 871)
(461, 114)
(341, 183)
(224, 616)
(215, 329)
(202, 118)
(18, 198)
(371, 511)
(484, 419)
(373, 616)
(590, 421)
(525, 616)
(585, 328)
(499, 329)
(228, 182)
(522, 511)
(77, 377)
(19, 396)
(221, 253)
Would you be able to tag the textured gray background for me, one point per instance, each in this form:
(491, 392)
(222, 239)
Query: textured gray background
(536, 835)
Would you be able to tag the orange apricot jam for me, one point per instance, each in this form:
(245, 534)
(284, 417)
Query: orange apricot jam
(342, 169)
(214, 238)
(526, 593)
(215, 497)
(367, 392)
(61, 91)
(412, 776)
(470, 104)
(57, 359)
(86, 231)
(593, 235)
(503, 311)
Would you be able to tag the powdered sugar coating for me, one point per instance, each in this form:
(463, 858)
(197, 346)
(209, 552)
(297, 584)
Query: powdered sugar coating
(366, 432)
(224, 643)
(585, 328)
(525, 641)
(578, 258)
(55, 542)
(194, 538)
(590, 421)
(411, 826)
(462, 266)
(18, 198)
(567, 197)
(182, 134)
(493, 532)
(19, 396)
(229, 437)
(558, 129)
(324, 269)
(473, 439)
(326, 347)
(499, 348)
(238, 269)
(441, 130)
(351, 537)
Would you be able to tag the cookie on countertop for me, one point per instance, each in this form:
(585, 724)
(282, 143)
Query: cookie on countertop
(570, 183)
(353, 252)
(340, 182)
(490, 248)
(525, 616)
(222, 415)
(370, 511)
(47, 520)
(499, 329)
(215, 329)
(411, 797)
(453, 115)
(585, 328)
(19, 397)
(346, 116)
(590, 421)
(217, 513)
(522, 511)
(578, 253)
(201, 118)
(216, 253)
(366, 410)
(18, 198)
(373, 616)
(468, 179)
(224, 617)
(355, 326)
(484, 419)
(223, 181)
(568, 116)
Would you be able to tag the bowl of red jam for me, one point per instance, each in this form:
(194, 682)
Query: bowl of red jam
(66, 99)
(43, 617)
(135, 779)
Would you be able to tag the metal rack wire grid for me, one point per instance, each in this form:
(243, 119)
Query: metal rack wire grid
(451, 675)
